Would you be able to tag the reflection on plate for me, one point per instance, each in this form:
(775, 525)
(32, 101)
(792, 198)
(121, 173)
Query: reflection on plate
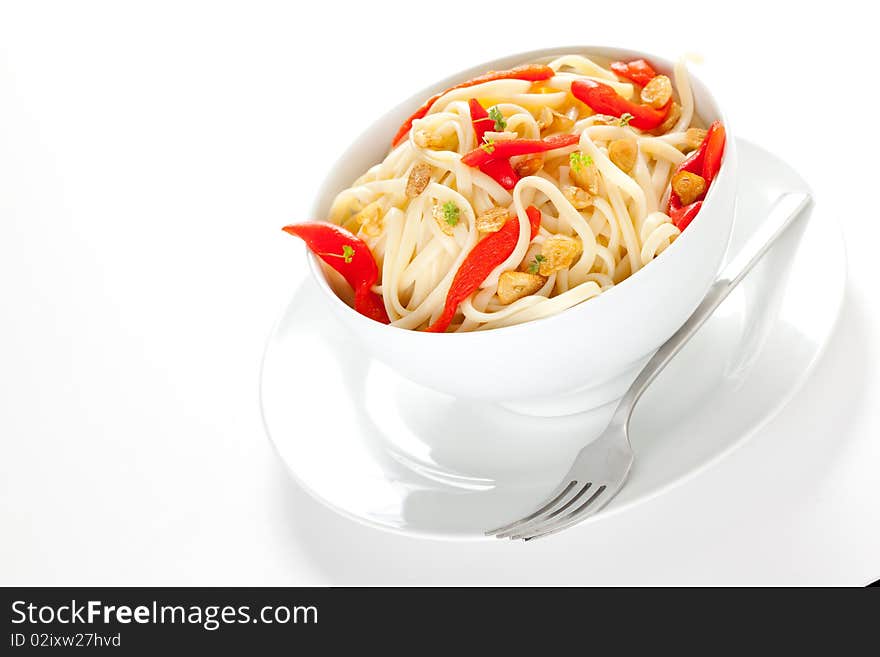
(382, 450)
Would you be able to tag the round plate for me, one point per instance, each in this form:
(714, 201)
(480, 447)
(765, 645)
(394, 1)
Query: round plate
(382, 450)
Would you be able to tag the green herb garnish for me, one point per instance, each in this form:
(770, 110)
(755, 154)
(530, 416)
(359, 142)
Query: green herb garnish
(496, 115)
(579, 160)
(347, 253)
(625, 118)
(535, 265)
(488, 145)
(450, 213)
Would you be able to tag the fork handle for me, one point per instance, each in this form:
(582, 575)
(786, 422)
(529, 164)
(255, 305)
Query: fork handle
(786, 209)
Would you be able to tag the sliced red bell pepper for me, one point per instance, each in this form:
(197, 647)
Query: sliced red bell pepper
(699, 162)
(348, 255)
(530, 72)
(714, 150)
(681, 215)
(480, 120)
(605, 100)
(693, 163)
(534, 215)
(638, 70)
(369, 304)
(509, 147)
(705, 162)
(499, 170)
(487, 254)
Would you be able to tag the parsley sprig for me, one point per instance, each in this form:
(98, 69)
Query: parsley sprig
(579, 161)
(451, 213)
(347, 253)
(496, 115)
(488, 145)
(535, 264)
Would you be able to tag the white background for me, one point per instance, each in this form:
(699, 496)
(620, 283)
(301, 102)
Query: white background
(150, 152)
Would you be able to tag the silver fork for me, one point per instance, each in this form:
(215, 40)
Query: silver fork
(600, 468)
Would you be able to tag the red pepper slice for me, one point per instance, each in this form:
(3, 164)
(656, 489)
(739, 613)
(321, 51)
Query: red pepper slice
(699, 162)
(638, 70)
(534, 215)
(369, 304)
(530, 72)
(714, 150)
(603, 99)
(509, 147)
(499, 170)
(682, 216)
(487, 254)
(693, 163)
(480, 120)
(348, 255)
(705, 162)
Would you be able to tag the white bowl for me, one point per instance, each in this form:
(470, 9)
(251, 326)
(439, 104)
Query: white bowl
(582, 358)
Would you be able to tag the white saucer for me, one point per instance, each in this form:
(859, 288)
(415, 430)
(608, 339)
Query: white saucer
(387, 452)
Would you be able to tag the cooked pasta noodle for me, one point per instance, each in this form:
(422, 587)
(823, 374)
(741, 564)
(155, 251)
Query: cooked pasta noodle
(602, 198)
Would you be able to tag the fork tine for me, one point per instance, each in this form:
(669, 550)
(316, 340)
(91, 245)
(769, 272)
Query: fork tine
(586, 508)
(560, 493)
(558, 528)
(562, 505)
(606, 462)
